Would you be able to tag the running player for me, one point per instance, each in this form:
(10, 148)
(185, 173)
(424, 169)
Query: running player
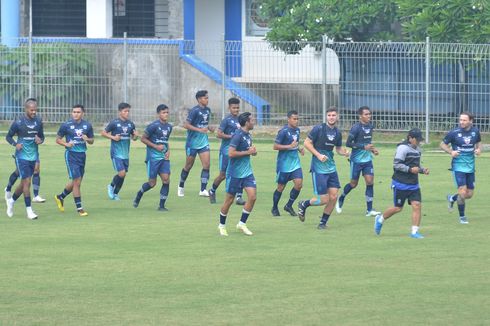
(120, 131)
(157, 161)
(288, 166)
(77, 133)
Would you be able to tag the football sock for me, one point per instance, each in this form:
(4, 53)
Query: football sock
(238, 195)
(204, 179)
(415, 229)
(222, 218)
(454, 197)
(27, 201)
(325, 218)
(64, 193)
(369, 197)
(164, 194)
(36, 183)
(345, 192)
(275, 198)
(13, 177)
(15, 196)
(78, 202)
(306, 204)
(461, 208)
(214, 187)
(117, 183)
(144, 188)
(292, 197)
(183, 177)
(244, 217)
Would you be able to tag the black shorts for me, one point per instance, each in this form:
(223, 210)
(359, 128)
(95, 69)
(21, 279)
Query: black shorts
(399, 196)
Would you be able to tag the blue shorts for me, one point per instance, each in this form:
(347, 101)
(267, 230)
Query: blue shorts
(120, 164)
(324, 181)
(283, 177)
(224, 159)
(356, 168)
(75, 164)
(194, 151)
(462, 179)
(400, 196)
(155, 168)
(25, 168)
(235, 185)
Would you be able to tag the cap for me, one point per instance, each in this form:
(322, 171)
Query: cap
(416, 133)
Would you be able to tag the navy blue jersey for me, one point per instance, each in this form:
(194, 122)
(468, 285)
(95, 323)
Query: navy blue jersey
(288, 159)
(26, 131)
(240, 167)
(199, 118)
(158, 133)
(73, 132)
(360, 135)
(125, 129)
(228, 126)
(324, 139)
(463, 141)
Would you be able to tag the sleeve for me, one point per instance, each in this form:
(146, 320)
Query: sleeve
(90, 131)
(478, 136)
(339, 139)
(313, 135)
(149, 129)
(223, 124)
(280, 137)
(41, 130)
(191, 116)
(235, 140)
(399, 161)
(352, 137)
(61, 132)
(110, 126)
(448, 138)
(170, 130)
(12, 131)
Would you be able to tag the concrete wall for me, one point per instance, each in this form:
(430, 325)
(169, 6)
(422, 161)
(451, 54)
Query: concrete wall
(209, 31)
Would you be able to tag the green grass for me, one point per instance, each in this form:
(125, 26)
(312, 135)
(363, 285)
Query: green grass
(126, 266)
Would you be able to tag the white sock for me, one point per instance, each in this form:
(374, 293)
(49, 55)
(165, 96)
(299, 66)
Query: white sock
(415, 229)
(222, 226)
(241, 223)
(381, 219)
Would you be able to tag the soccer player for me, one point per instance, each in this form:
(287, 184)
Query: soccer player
(155, 138)
(405, 182)
(30, 133)
(36, 183)
(359, 139)
(225, 131)
(465, 144)
(321, 141)
(239, 174)
(77, 133)
(120, 131)
(288, 166)
(197, 125)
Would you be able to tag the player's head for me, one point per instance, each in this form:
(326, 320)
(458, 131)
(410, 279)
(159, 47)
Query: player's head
(123, 109)
(202, 97)
(234, 106)
(332, 115)
(364, 113)
(77, 112)
(30, 107)
(465, 119)
(162, 111)
(414, 136)
(293, 118)
(246, 120)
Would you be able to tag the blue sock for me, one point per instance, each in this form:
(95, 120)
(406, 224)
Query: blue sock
(64, 193)
(27, 201)
(36, 183)
(345, 192)
(325, 218)
(214, 187)
(275, 198)
(461, 209)
(306, 204)
(144, 188)
(15, 196)
(204, 179)
(454, 197)
(183, 176)
(222, 218)
(78, 202)
(13, 177)
(239, 194)
(369, 197)
(244, 217)
(164, 194)
(292, 197)
(117, 184)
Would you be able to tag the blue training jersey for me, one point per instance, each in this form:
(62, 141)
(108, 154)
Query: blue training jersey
(465, 142)
(229, 125)
(360, 135)
(199, 118)
(287, 160)
(240, 167)
(158, 133)
(73, 132)
(324, 139)
(26, 130)
(124, 128)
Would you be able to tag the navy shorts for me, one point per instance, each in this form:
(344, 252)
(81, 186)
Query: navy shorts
(224, 159)
(120, 164)
(75, 164)
(324, 181)
(366, 168)
(235, 185)
(462, 179)
(399, 196)
(155, 168)
(25, 168)
(195, 151)
(283, 177)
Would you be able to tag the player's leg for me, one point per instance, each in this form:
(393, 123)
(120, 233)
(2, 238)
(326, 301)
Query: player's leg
(319, 189)
(205, 157)
(189, 162)
(36, 183)
(164, 172)
(12, 179)
(223, 164)
(77, 185)
(251, 190)
(229, 197)
(281, 179)
(26, 190)
(297, 177)
(355, 173)
(121, 167)
(333, 186)
(416, 218)
(152, 168)
(399, 197)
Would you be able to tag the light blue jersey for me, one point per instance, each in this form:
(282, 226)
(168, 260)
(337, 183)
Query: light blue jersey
(287, 160)
(124, 128)
(463, 141)
(73, 131)
(158, 133)
(199, 118)
(240, 167)
(228, 126)
(324, 139)
(26, 131)
(360, 135)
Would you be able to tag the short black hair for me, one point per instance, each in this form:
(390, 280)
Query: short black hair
(123, 106)
(470, 115)
(79, 106)
(201, 93)
(332, 109)
(292, 112)
(161, 107)
(233, 100)
(30, 99)
(244, 118)
(360, 111)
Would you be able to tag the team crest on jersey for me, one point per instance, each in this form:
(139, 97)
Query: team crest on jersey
(237, 124)
(366, 130)
(473, 134)
(84, 126)
(79, 132)
(165, 132)
(72, 127)
(467, 140)
(205, 116)
(119, 125)
(459, 135)
(331, 137)
(295, 137)
(125, 129)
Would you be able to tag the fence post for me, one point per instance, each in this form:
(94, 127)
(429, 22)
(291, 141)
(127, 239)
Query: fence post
(223, 78)
(31, 68)
(125, 67)
(324, 77)
(427, 88)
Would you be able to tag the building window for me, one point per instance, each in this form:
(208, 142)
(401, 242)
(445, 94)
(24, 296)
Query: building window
(140, 18)
(256, 24)
(59, 18)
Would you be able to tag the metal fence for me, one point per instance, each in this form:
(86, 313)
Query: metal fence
(406, 84)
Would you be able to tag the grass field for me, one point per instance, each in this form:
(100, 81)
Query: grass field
(126, 266)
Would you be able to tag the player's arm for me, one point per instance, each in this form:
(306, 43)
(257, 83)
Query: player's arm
(145, 139)
(10, 136)
(39, 139)
(233, 153)
(399, 161)
(220, 134)
(478, 148)
(281, 147)
(61, 141)
(310, 148)
(189, 126)
(107, 133)
(342, 151)
(89, 137)
(448, 149)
